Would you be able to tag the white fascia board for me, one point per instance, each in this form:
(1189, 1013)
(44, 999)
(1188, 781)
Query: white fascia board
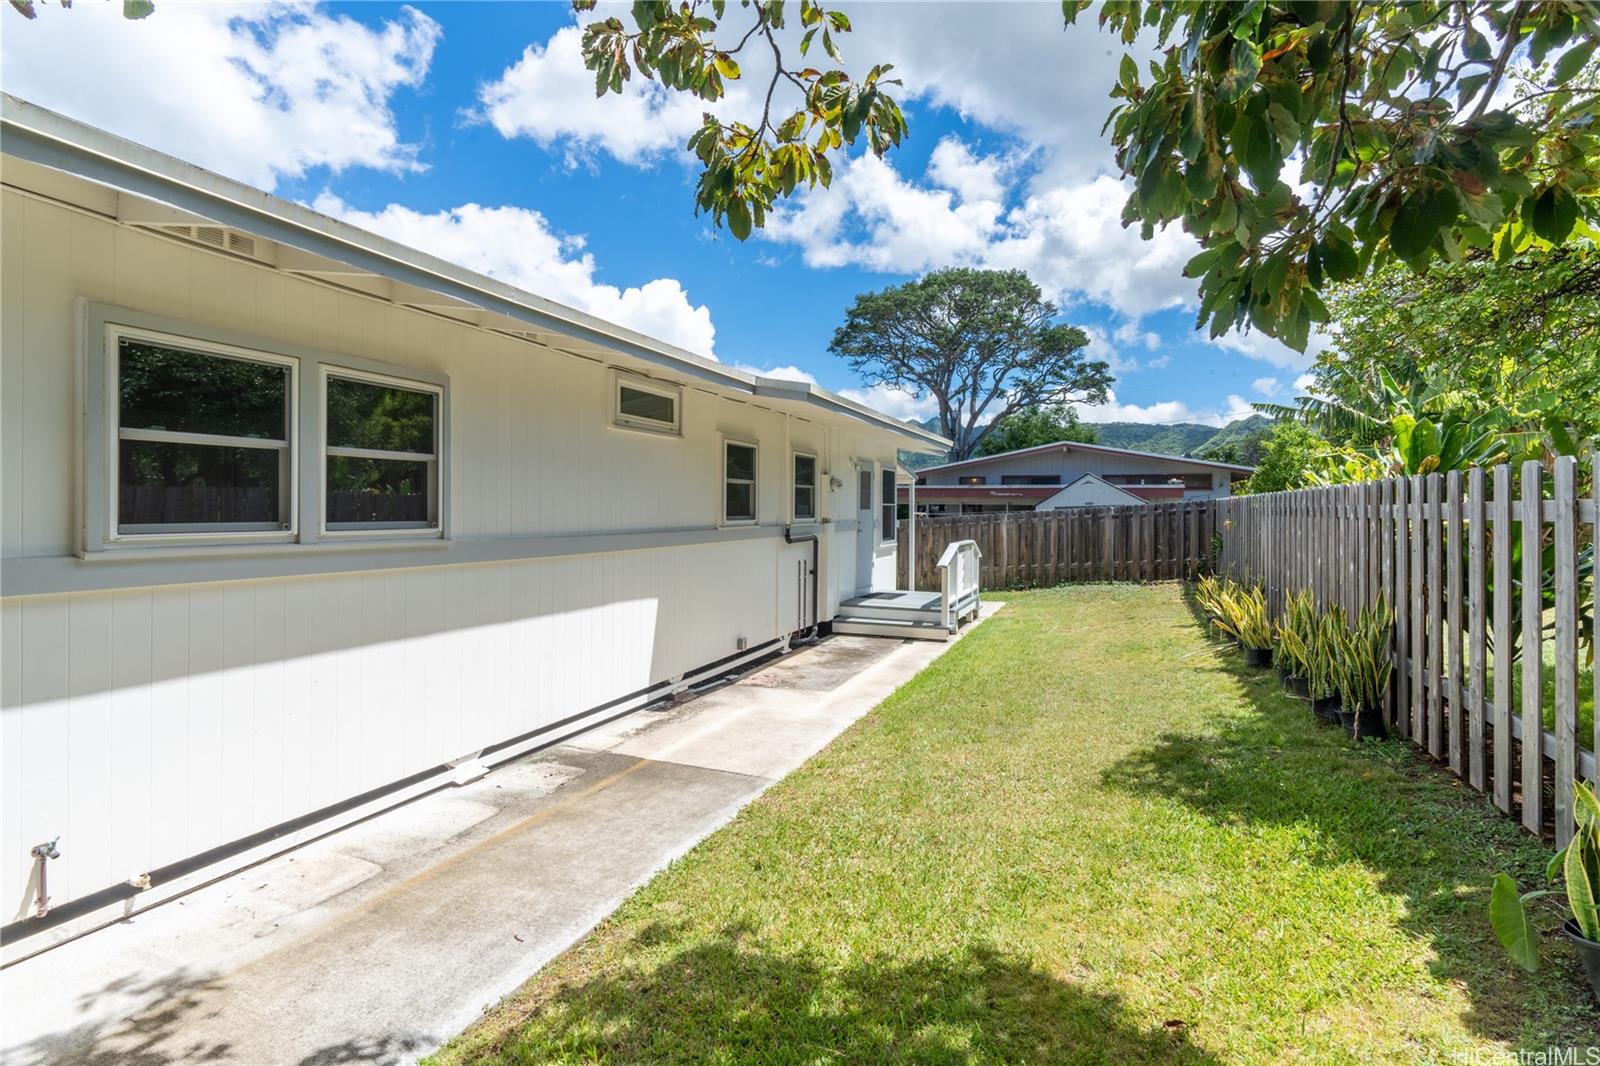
(48, 139)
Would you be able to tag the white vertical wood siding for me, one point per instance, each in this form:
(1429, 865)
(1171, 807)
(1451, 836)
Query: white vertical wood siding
(146, 725)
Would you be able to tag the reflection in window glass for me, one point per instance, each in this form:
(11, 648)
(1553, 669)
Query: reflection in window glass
(805, 487)
(382, 455)
(375, 417)
(377, 490)
(639, 404)
(739, 483)
(163, 388)
(166, 484)
(888, 519)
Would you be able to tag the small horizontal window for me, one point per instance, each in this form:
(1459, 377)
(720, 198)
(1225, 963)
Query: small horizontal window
(1030, 479)
(972, 479)
(382, 455)
(647, 406)
(202, 441)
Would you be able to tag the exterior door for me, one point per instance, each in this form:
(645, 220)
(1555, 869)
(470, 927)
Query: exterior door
(866, 531)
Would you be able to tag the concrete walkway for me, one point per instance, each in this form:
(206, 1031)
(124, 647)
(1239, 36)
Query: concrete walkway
(379, 942)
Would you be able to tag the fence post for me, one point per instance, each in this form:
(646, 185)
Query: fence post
(1566, 642)
(1532, 647)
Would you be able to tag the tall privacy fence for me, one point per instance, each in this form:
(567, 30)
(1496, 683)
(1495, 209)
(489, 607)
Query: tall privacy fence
(1026, 548)
(1491, 577)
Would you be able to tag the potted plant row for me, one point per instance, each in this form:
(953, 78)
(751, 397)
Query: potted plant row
(1577, 866)
(1342, 666)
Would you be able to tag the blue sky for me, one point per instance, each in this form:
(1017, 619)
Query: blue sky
(470, 129)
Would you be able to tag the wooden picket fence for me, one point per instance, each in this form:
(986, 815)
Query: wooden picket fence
(1463, 560)
(1023, 549)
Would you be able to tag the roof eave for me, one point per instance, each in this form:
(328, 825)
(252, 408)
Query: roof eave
(41, 136)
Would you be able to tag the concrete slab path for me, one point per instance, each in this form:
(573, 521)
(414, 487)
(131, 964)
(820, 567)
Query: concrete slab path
(377, 943)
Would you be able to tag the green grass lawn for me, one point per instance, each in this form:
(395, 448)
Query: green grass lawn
(1085, 834)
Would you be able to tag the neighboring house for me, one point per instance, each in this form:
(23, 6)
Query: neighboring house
(299, 522)
(1068, 474)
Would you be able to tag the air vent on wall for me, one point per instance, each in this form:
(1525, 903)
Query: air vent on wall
(217, 237)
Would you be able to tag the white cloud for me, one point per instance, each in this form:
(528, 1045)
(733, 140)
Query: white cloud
(895, 403)
(548, 96)
(784, 373)
(1101, 347)
(1305, 382)
(1257, 345)
(258, 92)
(1069, 240)
(1267, 386)
(518, 246)
(1165, 411)
(1160, 362)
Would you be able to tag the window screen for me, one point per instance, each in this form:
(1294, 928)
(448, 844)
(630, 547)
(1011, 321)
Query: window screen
(382, 455)
(202, 441)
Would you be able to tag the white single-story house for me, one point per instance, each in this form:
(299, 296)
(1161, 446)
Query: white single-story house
(297, 522)
(1053, 476)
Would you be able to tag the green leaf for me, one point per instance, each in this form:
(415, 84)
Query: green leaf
(1581, 891)
(739, 219)
(1244, 63)
(137, 9)
(1415, 225)
(1511, 923)
(1572, 61)
(726, 65)
(1555, 212)
(1128, 71)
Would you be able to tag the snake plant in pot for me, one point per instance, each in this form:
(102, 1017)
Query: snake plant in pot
(1322, 665)
(1209, 593)
(1578, 867)
(1364, 668)
(1296, 631)
(1245, 618)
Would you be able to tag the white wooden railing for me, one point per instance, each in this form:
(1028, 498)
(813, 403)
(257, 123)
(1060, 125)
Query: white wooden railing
(958, 581)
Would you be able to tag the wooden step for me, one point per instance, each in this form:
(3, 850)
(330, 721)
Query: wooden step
(885, 627)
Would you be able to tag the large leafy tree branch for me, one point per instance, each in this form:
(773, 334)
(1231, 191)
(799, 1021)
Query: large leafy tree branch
(983, 343)
(1414, 139)
(749, 163)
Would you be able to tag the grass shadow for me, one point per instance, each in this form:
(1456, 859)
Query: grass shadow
(678, 997)
(1426, 838)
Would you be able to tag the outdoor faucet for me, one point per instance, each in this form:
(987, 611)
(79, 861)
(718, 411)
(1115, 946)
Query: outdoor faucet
(42, 854)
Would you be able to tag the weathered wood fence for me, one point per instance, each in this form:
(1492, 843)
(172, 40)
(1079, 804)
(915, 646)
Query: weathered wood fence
(1026, 548)
(1485, 571)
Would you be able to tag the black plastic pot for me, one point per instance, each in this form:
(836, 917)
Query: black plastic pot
(1588, 953)
(1363, 724)
(1295, 684)
(1326, 708)
(1258, 657)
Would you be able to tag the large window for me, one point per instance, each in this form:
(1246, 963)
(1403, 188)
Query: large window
(203, 438)
(805, 487)
(738, 482)
(382, 454)
(650, 405)
(886, 502)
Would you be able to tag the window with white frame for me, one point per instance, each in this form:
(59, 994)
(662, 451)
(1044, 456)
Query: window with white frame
(805, 487)
(650, 405)
(738, 482)
(382, 461)
(887, 502)
(203, 437)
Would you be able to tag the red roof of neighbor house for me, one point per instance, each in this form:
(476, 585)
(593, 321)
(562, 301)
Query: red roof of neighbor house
(983, 492)
(1242, 471)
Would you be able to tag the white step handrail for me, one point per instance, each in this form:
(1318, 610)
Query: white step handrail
(958, 579)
